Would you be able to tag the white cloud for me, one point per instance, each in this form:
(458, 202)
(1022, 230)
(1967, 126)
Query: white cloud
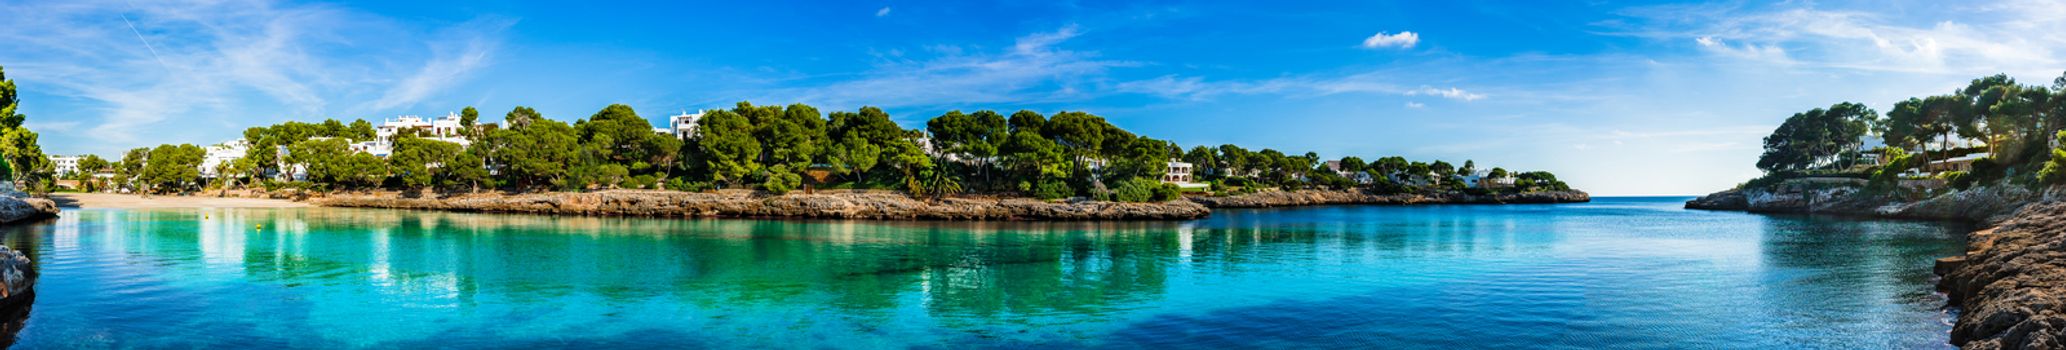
(1415, 105)
(1404, 40)
(1450, 93)
(1952, 38)
(885, 11)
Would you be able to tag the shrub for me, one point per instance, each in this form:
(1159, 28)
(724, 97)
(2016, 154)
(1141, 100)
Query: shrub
(1051, 189)
(1957, 179)
(782, 182)
(1136, 190)
(1168, 192)
(687, 186)
(641, 182)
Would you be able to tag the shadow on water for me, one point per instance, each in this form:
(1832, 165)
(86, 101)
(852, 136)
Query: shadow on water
(14, 309)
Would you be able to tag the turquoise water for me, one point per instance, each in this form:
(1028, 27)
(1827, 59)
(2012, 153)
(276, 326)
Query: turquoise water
(1617, 273)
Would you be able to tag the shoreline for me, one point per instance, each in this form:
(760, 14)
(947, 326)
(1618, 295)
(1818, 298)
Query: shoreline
(830, 204)
(128, 201)
(1304, 198)
(861, 205)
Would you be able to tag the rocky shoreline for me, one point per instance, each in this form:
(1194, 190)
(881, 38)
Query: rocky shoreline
(1312, 197)
(1985, 205)
(743, 204)
(2011, 283)
(16, 209)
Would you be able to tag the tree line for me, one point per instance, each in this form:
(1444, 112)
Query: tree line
(24, 165)
(777, 149)
(2013, 125)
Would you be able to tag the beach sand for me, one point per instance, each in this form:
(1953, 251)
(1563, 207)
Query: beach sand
(124, 201)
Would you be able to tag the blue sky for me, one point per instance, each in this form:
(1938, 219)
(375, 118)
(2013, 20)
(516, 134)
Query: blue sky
(1617, 98)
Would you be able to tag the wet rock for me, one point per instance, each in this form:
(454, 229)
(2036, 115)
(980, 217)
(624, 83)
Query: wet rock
(17, 279)
(1724, 200)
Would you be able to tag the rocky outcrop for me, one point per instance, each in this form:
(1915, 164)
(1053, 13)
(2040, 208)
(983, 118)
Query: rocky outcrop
(849, 205)
(19, 209)
(2011, 284)
(1981, 204)
(1313, 197)
(1732, 199)
(16, 278)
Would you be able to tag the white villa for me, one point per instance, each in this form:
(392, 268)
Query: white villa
(219, 154)
(1179, 173)
(682, 126)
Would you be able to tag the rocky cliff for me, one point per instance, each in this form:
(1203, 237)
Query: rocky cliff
(1313, 197)
(1982, 204)
(2011, 284)
(849, 205)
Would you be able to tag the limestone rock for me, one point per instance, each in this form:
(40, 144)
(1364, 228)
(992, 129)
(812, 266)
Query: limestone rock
(2011, 284)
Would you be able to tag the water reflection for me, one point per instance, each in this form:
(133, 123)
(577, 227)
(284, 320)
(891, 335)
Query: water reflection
(1419, 276)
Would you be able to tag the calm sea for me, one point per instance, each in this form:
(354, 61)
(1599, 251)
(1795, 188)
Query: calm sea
(1635, 273)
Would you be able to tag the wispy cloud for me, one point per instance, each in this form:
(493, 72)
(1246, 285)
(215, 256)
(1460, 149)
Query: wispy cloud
(2016, 34)
(1403, 40)
(452, 61)
(885, 11)
(148, 65)
(1449, 93)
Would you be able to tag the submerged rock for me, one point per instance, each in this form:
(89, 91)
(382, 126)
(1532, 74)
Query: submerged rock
(2011, 284)
(1733, 199)
(847, 205)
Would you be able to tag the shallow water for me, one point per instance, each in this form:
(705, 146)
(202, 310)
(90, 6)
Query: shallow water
(1616, 273)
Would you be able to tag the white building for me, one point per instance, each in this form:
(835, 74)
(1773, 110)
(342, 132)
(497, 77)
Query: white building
(682, 126)
(219, 154)
(1360, 177)
(447, 129)
(66, 165)
(1178, 173)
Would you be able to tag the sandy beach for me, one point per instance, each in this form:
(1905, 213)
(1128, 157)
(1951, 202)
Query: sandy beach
(125, 201)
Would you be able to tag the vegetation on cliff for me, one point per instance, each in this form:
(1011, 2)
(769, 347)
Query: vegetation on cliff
(1994, 130)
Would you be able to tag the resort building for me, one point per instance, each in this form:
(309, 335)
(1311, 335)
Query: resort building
(66, 165)
(223, 153)
(447, 127)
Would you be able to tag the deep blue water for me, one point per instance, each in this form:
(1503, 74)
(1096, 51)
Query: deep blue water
(1634, 273)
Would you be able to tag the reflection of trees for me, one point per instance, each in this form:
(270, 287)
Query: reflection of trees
(962, 270)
